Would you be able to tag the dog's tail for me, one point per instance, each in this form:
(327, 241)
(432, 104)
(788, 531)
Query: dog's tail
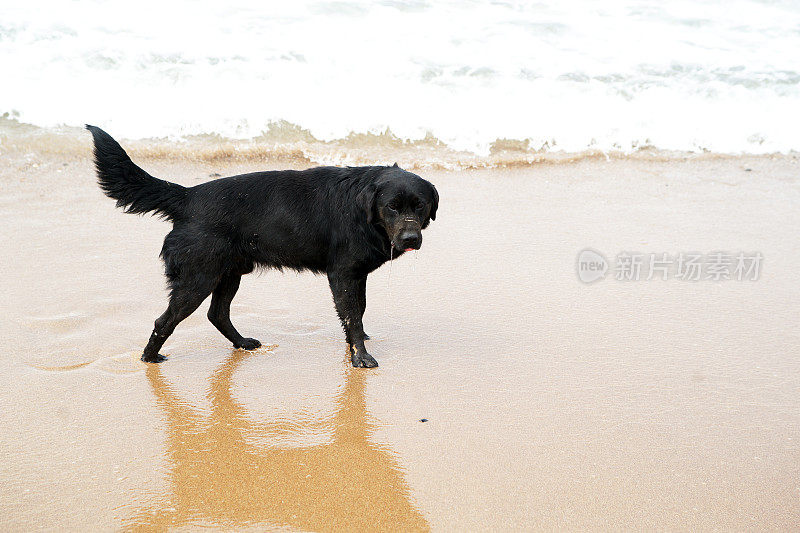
(133, 188)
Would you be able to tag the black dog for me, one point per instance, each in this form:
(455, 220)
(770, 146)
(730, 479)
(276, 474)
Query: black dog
(344, 222)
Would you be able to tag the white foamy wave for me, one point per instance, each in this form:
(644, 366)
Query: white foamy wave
(574, 75)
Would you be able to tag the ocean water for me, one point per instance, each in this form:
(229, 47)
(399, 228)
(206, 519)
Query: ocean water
(476, 77)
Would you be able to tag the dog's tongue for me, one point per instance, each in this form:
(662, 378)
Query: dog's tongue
(409, 249)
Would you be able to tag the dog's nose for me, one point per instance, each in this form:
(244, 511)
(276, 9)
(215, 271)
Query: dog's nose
(410, 239)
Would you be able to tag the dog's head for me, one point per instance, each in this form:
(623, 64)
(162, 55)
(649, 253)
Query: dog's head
(402, 203)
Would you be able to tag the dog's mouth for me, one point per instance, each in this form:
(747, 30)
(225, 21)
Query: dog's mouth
(406, 247)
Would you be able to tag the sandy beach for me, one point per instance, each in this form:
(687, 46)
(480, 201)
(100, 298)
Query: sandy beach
(550, 403)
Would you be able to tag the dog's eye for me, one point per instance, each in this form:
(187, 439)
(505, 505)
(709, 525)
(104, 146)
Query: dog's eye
(392, 207)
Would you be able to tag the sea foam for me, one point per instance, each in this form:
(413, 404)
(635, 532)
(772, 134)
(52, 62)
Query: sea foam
(557, 76)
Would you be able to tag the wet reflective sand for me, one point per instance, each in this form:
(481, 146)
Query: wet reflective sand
(550, 403)
(217, 476)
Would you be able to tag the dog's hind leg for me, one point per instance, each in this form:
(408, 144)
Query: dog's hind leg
(184, 300)
(220, 312)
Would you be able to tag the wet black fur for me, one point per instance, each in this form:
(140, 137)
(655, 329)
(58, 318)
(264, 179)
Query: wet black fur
(343, 222)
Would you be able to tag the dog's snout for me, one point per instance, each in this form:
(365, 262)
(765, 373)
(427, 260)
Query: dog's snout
(410, 239)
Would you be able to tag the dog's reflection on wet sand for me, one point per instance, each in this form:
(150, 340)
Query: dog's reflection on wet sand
(219, 477)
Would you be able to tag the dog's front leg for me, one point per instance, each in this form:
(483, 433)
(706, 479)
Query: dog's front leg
(362, 301)
(346, 289)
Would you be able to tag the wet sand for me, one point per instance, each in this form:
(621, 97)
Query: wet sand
(550, 403)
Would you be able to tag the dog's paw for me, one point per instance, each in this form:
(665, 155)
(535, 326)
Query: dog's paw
(248, 344)
(363, 360)
(157, 358)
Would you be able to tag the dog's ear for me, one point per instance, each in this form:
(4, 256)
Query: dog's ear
(435, 204)
(366, 201)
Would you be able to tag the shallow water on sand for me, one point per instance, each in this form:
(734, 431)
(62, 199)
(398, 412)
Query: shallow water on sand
(549, 403)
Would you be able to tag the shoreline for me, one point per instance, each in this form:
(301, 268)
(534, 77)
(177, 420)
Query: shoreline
(292, 146)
